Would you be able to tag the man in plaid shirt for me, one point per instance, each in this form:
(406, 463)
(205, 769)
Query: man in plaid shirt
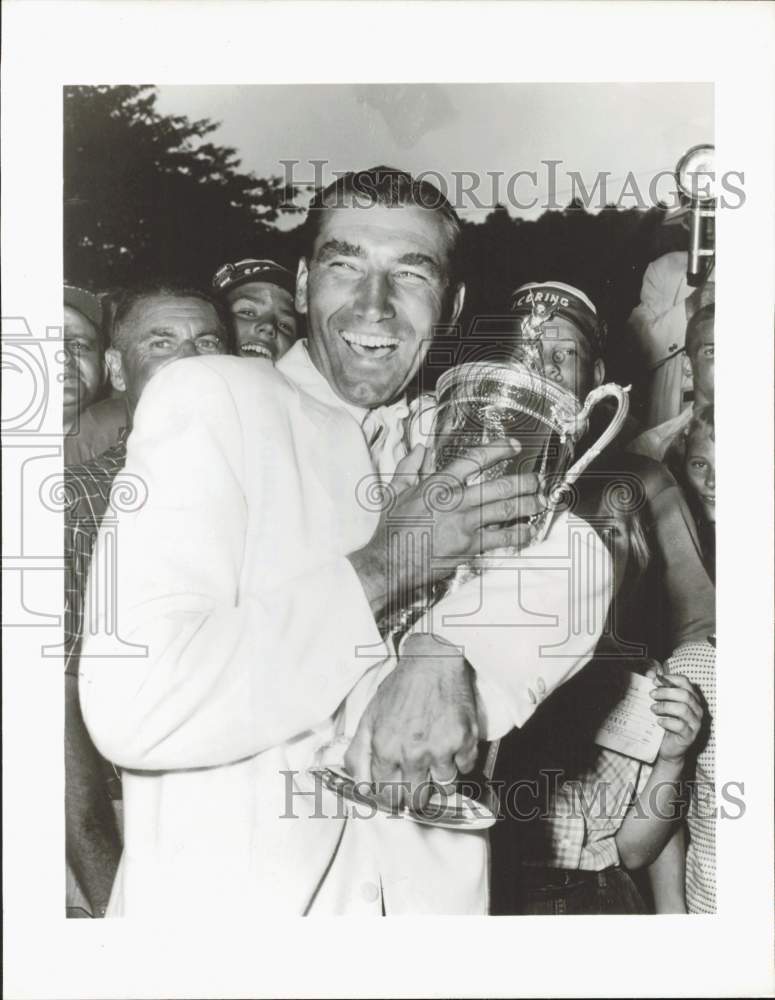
(93, 841)
(152, 326)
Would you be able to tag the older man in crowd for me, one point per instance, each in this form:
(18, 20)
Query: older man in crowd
(256, 573)
(84, 371)
(153, 326)
(259, 297)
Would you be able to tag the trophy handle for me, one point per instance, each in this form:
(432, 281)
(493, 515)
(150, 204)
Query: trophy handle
(576, 428)
(608, 391)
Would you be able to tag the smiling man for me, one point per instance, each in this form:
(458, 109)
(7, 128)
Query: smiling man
(375, 286)
(257, 571)
(155, 325)
(259, 297)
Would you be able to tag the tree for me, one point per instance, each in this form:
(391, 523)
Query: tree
(148, 195)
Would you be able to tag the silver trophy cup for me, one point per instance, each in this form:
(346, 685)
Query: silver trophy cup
(482, 402)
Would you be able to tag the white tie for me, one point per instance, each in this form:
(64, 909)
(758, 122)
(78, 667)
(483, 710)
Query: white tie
(383, 429)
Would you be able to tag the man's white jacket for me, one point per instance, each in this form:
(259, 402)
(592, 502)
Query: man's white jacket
(228, 637)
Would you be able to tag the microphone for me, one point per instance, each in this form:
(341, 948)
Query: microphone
(696, 179)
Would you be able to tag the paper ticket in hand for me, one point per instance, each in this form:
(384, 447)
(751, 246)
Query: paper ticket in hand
(631, 727)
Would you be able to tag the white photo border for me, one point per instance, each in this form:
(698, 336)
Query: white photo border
(51, 43)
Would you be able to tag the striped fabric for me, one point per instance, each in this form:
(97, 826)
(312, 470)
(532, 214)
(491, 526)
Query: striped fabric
(698, 662)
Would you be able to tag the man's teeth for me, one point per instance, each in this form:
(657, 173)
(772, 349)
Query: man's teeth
(259, 349)
(363, 342)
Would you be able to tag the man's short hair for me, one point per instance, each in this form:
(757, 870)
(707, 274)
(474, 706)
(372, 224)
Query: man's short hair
(696, 320)
(387, 186)
(124, 302)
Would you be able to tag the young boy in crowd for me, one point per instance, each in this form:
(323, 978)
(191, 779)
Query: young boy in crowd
(692, 459)
(598, 814)
(699, 366)
(259, 297)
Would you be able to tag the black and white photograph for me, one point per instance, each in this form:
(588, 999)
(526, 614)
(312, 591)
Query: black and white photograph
(359, 444)
(509, 376)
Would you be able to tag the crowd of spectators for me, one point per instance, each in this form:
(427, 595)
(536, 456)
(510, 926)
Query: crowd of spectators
(661, 622)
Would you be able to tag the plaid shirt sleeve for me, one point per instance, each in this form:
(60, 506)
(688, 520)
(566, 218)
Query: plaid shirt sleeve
(87, 492)
(78, 546)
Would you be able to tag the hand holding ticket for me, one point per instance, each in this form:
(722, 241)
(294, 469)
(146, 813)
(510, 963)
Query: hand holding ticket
(631, 727)
(679, 711)
(657, 714)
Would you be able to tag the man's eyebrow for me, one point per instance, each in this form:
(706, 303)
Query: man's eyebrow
(420, 260)
(339, 248)
(158, 331)
(334, 248)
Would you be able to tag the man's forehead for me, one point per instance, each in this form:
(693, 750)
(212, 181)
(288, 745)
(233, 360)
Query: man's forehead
(386, 227)
(171, 308)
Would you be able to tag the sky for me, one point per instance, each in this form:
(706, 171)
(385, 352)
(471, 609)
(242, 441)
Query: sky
(447, 128)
